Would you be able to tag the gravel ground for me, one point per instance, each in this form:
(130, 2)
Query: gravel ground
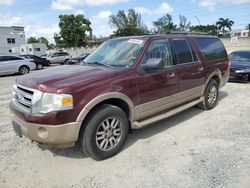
(195, 148)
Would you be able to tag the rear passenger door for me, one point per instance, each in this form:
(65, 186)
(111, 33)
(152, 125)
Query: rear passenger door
(54, 58)
(189, 70)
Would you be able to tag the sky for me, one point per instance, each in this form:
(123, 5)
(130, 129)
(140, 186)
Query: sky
(40, 17)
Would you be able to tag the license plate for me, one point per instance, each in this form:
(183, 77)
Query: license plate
(17, 129)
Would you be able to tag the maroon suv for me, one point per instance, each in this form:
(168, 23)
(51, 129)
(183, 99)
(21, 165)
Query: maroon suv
(127, 83)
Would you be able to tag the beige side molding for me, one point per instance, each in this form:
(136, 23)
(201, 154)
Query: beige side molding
(106, 96)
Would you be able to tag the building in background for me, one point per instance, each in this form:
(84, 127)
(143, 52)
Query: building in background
(11, 37)
(240, 33)
(34, 49)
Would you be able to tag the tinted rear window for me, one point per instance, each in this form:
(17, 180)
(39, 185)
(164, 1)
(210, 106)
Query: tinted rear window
(182, 51)
(240, 56)
(212, 48)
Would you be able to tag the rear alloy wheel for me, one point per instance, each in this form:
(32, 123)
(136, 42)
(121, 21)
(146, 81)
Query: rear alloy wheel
(39, 66)
(104, 132)
(24, 70)
(210, 96)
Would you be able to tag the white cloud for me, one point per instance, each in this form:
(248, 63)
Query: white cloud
(6, 2)
(71, 4)
(211, 4)
(164, 8)
(99, 24)
(142, 10)
(78, 12)
(32, 27)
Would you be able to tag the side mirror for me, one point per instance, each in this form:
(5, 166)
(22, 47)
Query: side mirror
(153, 64)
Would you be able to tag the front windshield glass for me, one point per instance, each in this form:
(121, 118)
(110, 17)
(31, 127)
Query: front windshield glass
(116, 53)
(240, 56)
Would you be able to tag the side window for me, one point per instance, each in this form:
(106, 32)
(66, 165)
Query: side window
(183, 51)
(55, 55)
(13, 58)
(159, 49)
(1, 58)
(212, 48)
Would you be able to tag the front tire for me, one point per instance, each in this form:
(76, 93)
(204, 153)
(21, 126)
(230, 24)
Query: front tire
(105, 132)
(210, 96)
(24, 70)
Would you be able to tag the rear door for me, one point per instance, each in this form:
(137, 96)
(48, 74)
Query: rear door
(54, 58)
(189, 68)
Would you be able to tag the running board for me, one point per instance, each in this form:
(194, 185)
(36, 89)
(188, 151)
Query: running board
(141, 124)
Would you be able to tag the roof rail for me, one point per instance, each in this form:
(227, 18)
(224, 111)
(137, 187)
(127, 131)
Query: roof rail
(185, 33)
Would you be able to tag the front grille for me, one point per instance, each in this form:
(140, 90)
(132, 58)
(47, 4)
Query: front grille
(23, 97)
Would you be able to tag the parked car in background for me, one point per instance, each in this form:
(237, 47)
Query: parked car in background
(40, 62)
(126, 83)
(13, 64)
(77, 59)
(58, 58)
(240, 65)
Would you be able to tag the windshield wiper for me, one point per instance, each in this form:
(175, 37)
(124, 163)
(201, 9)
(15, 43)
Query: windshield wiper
(99, 63)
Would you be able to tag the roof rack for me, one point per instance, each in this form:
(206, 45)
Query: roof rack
(185, 33)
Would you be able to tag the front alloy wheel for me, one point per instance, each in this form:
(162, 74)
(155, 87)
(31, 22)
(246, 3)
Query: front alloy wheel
(108, 134)
(24, 70)
(104, 132)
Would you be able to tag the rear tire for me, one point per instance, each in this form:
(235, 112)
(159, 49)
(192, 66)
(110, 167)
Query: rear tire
(39, 66)
(104, 132)
(210, 96)
(24, 70)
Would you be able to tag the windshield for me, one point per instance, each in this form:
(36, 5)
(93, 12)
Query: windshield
(116, 53)
(240, 56)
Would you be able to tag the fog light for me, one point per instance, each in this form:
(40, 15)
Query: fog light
(42, 132)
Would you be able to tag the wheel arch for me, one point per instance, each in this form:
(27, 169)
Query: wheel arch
(217, 76)
(114, 98)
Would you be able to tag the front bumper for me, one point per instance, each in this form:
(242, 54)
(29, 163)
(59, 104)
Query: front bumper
(239, 76)
(60, 136)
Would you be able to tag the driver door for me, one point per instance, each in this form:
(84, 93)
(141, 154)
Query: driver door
(157, 88)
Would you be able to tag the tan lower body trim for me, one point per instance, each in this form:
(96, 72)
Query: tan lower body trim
(154, 107)
(59, 135)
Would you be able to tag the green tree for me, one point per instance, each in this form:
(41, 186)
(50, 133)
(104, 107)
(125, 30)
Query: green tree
(31, 40)
(128, 24)
(210, 29)
(224, 25)
(44, 40)
(164, 24)
(184, 25)
(72, 30)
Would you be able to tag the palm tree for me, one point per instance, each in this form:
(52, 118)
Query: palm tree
(224, 24)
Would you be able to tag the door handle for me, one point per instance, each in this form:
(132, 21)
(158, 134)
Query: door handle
(200, 69)
(171, 75)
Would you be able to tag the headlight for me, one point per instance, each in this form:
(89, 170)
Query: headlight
(243, 71)
(55, 102)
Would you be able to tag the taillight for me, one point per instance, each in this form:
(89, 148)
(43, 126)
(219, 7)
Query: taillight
(32, 61)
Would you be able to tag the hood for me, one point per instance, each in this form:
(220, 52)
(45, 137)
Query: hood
(63, 77)
(240, 65)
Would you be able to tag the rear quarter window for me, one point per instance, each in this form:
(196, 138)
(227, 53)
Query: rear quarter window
(212, 48)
